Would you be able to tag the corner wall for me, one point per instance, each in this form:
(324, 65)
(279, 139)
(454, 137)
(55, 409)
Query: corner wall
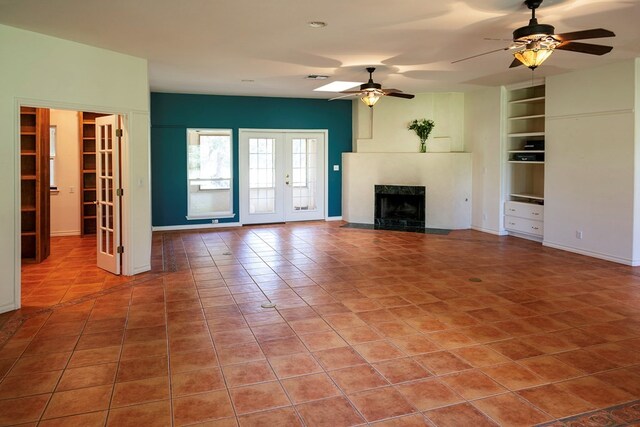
(383, 129)
(65, 203)
(590, 170)
(484, 124)
(49, 72)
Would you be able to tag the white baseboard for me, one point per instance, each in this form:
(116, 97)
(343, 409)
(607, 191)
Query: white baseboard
(490, 231)
(195, 226)
(9, 307)
(333, 218)
(65, 233)
(141, 269)
(619, 260)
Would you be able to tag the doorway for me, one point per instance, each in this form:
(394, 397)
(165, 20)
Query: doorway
(98, 145)
(282, 175)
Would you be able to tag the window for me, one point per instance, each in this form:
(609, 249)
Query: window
(52, 157)
(209, 165)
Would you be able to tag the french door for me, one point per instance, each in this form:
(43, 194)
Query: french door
(282, 176)
(109, 192)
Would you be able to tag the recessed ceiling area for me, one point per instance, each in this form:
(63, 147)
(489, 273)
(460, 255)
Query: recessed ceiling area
(216, 47)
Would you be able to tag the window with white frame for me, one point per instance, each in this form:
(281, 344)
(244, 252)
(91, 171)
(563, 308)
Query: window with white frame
(52, 157)
(209, 169)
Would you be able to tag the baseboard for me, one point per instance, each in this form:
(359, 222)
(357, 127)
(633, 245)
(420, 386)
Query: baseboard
(195, 226)
(8, 307)
(65, 233)
(333, 218)
(141, 269)
(490, 231)
(625, 261)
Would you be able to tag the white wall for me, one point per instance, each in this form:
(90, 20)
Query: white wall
(65, 204)
(484, 124)
(590, 168)
(446, 176)
(383, 129)
(45, 71)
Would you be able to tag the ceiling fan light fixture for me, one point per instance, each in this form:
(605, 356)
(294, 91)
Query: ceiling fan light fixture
(533, 57)
(370, 99)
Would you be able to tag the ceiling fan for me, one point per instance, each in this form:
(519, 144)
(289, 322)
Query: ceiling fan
(534, 43)
(370, 92)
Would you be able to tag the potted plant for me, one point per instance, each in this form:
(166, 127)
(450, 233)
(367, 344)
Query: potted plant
(422, 128)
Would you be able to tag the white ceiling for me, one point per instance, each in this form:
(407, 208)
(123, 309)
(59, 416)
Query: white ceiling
(210, 46)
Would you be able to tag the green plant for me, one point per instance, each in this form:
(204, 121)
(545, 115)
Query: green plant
(422, 128)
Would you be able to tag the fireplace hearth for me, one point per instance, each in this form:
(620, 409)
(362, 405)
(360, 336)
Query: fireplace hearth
(399, 207)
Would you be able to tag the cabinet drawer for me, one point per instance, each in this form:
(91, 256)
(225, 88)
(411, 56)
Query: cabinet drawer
(524, 210)
(523, 225)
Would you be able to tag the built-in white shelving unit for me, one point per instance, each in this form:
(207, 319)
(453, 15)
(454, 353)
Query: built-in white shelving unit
(525, 157)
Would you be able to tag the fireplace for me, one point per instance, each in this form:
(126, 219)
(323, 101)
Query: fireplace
(399, 207)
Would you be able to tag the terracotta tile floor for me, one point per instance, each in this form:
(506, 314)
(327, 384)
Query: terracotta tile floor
(370, 327)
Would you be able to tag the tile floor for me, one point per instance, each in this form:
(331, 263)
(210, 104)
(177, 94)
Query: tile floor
(370, 327)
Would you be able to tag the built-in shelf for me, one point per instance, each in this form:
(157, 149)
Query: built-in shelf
(532, 100)
(34, 184)
(87, 135)
(524, 198)
(525, 134)
(534, 116)
(527, 196)
(532, 162)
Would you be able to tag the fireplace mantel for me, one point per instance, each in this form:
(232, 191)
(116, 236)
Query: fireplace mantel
(446, 176)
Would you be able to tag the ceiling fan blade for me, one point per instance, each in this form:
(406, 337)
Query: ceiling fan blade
(388, 91)
(351, 91)
(401, 95)
(480, 54)
(343, 96)
(595, 33)
(516, 63)
(592, 49)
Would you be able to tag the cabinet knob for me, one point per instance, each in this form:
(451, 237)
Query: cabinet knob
(535, 228)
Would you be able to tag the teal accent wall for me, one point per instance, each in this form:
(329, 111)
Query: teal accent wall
(173, 114)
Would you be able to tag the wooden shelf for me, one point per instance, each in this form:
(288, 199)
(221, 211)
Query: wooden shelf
(86, 129)
(34, 185)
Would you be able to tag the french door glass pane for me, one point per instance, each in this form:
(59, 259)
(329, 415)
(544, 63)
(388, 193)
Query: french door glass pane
(262, 174)
(304, 158)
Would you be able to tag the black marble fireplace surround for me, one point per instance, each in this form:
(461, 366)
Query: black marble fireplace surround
(399, 207)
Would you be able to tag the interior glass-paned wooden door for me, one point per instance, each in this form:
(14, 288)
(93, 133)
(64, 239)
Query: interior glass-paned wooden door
(107, 185)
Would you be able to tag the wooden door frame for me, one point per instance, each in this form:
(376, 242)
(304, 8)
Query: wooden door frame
(125, 226)
(324, 132)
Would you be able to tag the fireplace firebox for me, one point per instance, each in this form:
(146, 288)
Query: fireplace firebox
(399, 207)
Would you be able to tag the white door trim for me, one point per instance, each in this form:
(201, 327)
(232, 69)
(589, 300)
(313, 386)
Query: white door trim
(325, 132)
(127, 260)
